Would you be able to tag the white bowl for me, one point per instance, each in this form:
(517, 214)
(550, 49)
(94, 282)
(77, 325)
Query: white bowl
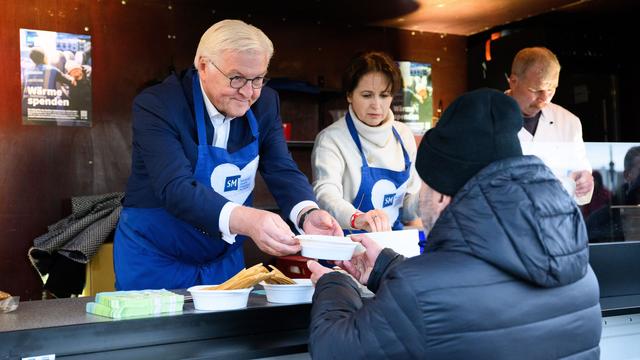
(327, 247)
(323, 239)
(219, 299)
(326, 251)
(300, 292)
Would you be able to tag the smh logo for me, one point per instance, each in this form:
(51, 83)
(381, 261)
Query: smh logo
(231, 183)
(388, 200)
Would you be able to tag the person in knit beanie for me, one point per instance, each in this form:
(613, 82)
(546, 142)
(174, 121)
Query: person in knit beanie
(477, 129)
(505, 267)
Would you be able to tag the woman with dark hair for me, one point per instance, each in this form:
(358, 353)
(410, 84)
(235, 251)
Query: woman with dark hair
(363, 164)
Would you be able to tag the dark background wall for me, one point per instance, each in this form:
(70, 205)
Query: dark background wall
(133, 45)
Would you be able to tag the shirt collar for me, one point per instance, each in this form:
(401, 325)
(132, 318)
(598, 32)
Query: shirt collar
(216, 117)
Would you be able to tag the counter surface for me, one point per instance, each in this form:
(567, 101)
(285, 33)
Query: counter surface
(71, 311)
(62, 327)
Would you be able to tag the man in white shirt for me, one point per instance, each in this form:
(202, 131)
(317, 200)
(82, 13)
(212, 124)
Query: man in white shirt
(549, 131)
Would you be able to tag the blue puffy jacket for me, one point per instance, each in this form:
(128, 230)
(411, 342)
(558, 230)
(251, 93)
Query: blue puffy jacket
(505, 275)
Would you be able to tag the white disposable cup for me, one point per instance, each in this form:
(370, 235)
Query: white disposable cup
(219, 299)
(300, 292)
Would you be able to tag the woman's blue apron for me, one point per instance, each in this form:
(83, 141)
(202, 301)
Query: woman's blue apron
(381, 188)
(154, 249)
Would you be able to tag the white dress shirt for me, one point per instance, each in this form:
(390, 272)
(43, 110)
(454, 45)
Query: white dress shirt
(221, 128)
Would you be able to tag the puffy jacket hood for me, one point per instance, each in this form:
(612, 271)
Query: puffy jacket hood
(515, 215)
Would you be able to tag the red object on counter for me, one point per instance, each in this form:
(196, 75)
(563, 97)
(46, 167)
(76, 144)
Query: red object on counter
(294, 266)
(286, 127)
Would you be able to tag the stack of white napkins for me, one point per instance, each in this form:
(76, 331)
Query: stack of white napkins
(126, 304)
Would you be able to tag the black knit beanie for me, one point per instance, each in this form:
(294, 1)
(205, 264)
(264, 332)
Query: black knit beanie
(477, 129)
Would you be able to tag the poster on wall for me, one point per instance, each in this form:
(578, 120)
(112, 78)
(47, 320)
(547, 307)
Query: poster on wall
(414, 104)
(55, 72)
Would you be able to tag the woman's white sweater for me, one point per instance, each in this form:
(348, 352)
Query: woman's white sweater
(336, 164)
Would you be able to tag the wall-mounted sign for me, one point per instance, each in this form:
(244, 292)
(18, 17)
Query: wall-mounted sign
(55, 70)
(414, 105)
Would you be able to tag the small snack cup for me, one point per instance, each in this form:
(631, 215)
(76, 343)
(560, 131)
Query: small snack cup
(215, 300)
(300, 292)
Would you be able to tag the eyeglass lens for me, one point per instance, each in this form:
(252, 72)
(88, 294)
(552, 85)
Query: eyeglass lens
(238, 82)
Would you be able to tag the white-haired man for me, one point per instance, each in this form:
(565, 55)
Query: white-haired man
(198, 140)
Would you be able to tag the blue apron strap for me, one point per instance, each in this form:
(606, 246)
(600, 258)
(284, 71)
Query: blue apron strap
(407, 161)
(253, 124)
(198, 106)
(356, 137)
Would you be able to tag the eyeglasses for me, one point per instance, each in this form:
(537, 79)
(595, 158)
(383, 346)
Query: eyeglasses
(238, 82)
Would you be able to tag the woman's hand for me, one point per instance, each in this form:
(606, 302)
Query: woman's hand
(372, 221)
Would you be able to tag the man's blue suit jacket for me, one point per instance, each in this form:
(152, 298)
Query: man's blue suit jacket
(165, 152)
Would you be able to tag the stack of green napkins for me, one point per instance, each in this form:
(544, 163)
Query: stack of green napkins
(126, 304)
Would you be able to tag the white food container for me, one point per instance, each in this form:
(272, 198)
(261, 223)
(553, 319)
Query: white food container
(219, 299)
(328, 251)
(323, 239)
(327, 247)
(300, 292)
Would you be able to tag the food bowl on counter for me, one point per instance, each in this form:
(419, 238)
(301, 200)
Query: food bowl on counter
(300, 292)
(327, 247)
(204, 299)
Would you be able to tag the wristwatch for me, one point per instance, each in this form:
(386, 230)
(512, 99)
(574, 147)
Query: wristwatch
(303, 217)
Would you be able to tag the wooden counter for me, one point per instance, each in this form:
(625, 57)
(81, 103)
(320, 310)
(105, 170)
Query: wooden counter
(62, 327)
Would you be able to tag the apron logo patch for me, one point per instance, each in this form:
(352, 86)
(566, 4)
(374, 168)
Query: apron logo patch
(231, 183)
(386, 196)
(235, 184)
(388, 200)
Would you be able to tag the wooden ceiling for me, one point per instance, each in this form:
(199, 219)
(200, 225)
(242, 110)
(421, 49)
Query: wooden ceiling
(468, 17)
(456, 17)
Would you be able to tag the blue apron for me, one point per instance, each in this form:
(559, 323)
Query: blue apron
(381, 188)
(154, 249)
